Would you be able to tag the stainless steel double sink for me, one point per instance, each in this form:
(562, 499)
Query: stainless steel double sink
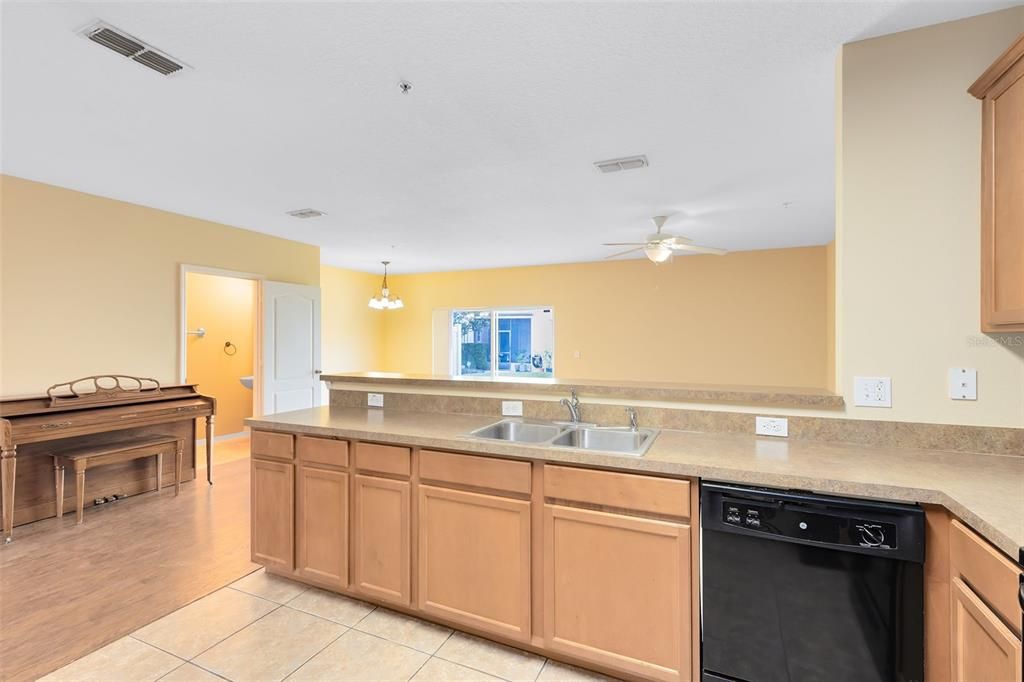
(612, 439)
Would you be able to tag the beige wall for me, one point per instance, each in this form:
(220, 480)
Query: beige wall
(226, 308)
(755, 317)
(352, 332)
(91, 285)
(908, 224)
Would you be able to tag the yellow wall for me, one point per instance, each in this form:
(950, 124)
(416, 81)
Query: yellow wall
(91, 285)
(756, 317)
(351, 332)
(908, 224)
(830, 316)
(225, 307)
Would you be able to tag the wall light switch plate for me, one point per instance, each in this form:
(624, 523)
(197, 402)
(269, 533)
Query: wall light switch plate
(963, 383)
(872, 391)
(511, 408)
(375, 400)
(771, 426)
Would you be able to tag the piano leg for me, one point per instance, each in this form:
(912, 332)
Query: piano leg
(209, 449)
(8, 464)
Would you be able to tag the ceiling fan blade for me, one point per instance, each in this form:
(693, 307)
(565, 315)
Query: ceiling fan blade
(623, 253)
(693, 248)
(624, 244)
(671, 240)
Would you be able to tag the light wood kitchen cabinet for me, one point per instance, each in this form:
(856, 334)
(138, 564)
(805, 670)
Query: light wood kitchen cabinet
(272, 499)
(321, 525)
(381, 538)
(474, 560)
(972, 615)
(630, 615)
(1001, 90)
(983, 648)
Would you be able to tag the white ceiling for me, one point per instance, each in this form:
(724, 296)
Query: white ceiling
(488, 161)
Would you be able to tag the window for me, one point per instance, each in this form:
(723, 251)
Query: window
(503, 343)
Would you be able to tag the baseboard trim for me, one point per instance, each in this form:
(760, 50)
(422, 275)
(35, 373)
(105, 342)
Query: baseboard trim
(226, 436)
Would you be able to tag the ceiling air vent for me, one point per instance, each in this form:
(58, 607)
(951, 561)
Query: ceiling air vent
(623, 164)
(128, 46)
(306, 213)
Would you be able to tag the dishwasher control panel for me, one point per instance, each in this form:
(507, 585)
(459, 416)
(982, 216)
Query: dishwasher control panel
(793, 522)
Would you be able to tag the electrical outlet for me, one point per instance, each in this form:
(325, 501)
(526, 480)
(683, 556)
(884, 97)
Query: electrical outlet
(963, 383)
(511, 408)
(375, 400)
(771, 426)
(872, 391)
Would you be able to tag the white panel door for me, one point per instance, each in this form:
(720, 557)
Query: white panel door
(291, 347)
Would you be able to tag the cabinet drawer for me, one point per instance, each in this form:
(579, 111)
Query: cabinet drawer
(477, 472)
(270, 444)
(384, 459)
(647, 494)
(322, 450)
(990, 574)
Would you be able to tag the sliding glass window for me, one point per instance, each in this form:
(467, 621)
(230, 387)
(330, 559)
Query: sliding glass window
(509, 342)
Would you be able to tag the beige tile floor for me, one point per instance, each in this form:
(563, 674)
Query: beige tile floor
(263, 627)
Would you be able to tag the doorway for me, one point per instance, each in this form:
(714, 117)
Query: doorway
(219, 350)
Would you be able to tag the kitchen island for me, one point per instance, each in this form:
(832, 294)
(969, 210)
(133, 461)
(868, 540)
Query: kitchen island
(373, 503)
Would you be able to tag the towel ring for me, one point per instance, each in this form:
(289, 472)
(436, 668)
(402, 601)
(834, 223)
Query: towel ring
(230, 348)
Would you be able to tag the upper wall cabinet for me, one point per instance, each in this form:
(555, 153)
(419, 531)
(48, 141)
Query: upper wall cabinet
(1001, 90)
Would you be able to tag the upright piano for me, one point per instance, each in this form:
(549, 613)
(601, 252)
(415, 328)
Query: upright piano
(83, 412)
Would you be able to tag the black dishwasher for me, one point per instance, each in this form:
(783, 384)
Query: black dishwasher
(799, 587)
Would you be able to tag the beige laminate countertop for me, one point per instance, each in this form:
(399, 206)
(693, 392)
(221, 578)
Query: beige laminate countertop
(779, 396)
(986, 491)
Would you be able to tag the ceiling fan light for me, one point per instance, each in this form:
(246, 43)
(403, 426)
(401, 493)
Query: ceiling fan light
(657, 252)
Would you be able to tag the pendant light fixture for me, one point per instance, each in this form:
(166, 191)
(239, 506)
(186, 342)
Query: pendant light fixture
(384, 301)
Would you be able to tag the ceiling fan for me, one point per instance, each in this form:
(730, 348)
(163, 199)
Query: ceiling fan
(660, 246)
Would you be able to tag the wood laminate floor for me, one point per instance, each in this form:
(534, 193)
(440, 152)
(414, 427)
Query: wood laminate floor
(67, 590)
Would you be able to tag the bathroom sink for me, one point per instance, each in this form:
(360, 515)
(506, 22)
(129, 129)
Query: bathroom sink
(622, 441)
(517, 432)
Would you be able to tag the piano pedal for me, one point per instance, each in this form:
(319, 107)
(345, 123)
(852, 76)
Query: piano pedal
(99, 501)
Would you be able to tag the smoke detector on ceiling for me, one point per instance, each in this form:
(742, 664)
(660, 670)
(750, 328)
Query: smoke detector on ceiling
(306, 213)
(131, 47)
(623, 164)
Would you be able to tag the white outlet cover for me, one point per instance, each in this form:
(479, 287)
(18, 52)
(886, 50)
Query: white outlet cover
(872, 391)
(963, 383)
(511, 408)
(375, 400)
(771, 426)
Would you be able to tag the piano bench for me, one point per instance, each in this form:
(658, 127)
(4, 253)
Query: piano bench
(111, 452)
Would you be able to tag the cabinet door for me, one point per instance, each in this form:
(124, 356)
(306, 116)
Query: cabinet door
(321, 527)
(633, 615)
(1002, 196)
(474, 560)
(984, 649)
(381, 539)
(272, 498)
